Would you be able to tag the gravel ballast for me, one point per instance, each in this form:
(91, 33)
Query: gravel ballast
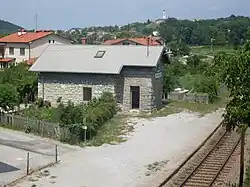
(153, 150)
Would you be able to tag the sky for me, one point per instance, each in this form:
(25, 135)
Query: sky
(66, 14)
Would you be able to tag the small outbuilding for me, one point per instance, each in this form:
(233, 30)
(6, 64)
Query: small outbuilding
(134, 74)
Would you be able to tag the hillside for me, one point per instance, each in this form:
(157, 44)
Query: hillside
(232, 30)
(7, 27)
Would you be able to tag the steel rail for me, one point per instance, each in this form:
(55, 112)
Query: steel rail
(190, 156)
(207, 155)
(225, 162)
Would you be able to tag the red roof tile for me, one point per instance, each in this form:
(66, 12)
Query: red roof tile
(24, 38)
(141, 41)
(6, 60)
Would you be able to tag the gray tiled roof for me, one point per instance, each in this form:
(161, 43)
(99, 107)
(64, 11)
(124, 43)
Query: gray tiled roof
(80, 58)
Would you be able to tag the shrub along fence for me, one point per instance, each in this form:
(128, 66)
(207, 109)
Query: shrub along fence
(38, 127)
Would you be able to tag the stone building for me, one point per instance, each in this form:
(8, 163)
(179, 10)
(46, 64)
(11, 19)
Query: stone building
(134, 74)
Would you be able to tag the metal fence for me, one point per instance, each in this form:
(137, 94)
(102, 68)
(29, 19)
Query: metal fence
(41, 128)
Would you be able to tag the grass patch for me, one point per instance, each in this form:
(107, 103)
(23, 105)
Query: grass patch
(112, 132)
(199, 107)
(167, 110)
(206, 50)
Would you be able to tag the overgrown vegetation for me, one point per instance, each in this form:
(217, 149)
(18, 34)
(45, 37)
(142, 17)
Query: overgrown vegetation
(93, 115)
(195, 74)
(18, 85)
(236, 76)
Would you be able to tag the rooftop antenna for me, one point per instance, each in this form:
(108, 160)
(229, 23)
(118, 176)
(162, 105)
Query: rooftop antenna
(164, 14)
(36, 20)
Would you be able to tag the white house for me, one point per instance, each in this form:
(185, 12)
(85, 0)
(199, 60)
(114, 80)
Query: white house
(26, 46)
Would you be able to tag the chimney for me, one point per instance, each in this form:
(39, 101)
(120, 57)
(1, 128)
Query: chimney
(84, 41)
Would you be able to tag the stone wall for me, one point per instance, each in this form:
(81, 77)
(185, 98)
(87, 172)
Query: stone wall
(158, 85)
(70, 86)
(190, 97)
(142, 77)
(197, 97)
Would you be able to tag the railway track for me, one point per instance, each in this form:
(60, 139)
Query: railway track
(208, 166)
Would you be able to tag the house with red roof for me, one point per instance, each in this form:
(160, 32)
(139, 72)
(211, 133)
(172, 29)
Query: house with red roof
(151, 41)
(26, 46)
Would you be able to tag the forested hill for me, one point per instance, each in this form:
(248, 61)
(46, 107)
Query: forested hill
(7, 27)
(232, 30)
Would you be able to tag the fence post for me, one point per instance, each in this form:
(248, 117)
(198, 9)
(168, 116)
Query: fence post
(42, 127)
(38, 126)
(12, 121)
(56, 154)
(28, 163)
(27, 121)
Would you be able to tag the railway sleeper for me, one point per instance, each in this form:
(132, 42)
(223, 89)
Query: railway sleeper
(200, 174)
(216, 158)
(199, 179)
(209, 167)
(216, 162)
(196, 183)
(221, 152)
(212, 162)
(203, 177)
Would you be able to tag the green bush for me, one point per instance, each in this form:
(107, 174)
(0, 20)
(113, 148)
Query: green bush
(8, 97)
(93, 114)
(207, 85)
(187, 81)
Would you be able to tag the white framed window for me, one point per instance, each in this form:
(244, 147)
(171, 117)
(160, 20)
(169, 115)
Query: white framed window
(22, 51)
(11, 51)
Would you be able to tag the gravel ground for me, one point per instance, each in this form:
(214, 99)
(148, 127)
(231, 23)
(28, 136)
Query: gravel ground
(152, 151)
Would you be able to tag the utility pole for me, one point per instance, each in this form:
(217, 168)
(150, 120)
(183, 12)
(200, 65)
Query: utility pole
(36, 21)
(242, 152)
(212, 39)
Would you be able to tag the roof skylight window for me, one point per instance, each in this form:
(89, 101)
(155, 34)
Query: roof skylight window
(100, 54)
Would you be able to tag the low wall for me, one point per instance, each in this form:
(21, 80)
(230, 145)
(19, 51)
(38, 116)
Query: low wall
(191, 97)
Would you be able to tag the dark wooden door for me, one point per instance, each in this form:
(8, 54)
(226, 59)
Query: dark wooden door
(135, 97)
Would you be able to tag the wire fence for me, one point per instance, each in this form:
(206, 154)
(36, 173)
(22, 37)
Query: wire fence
(38, 127)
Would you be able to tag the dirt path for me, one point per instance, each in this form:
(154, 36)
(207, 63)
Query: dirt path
(152, 151)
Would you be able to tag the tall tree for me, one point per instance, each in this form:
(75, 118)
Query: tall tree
(237, 79)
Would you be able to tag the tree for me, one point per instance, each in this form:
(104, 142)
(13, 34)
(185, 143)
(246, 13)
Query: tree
(220, 38)
(248, 34)
(171, 76)
(22, 79)
(8, 97)
(237, 80)
(179, 48)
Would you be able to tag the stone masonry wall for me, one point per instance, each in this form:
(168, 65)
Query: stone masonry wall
(70, 86)
(137, 76)
(158, 85)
